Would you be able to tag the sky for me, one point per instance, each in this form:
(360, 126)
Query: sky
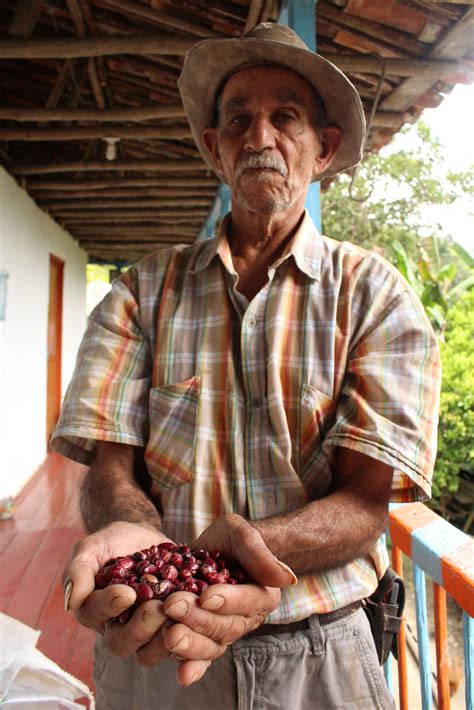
(453, 124)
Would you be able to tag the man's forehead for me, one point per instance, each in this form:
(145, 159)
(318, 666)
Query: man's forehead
(286, 86)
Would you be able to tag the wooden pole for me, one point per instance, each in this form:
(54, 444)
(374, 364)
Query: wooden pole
(397, 565)
(111, 204)
(59, 85)
(441, 637)
(426, 68)
(95, 84)
(97, 46)
(143, 113)
(79, 133)
(143, 218)
(60, 185)
(253, 14)
(161, 215)
(137, 193)
(163, 166)
(149, 44)
(110, 233)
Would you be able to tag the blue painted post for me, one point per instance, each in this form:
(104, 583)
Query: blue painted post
(423, 639)
(218, 211)
(469, 659)
(300, 15)
(388, 673)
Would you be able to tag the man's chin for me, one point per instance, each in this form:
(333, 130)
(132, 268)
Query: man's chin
(264, 203)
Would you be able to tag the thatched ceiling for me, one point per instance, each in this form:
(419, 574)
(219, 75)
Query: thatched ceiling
(84, 81)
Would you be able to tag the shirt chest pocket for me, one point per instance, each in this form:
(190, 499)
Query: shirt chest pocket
(171, 445)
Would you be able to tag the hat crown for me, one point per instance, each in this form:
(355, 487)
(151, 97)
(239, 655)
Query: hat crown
(275, 33)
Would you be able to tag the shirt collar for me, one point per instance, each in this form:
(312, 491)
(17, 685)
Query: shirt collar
(305, 247)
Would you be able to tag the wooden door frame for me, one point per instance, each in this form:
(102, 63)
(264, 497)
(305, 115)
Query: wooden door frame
(55, 260)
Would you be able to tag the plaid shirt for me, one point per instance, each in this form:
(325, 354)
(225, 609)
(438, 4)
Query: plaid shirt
(241, 405)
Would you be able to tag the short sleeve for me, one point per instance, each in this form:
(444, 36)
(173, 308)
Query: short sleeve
(389, 401)
(107, 399)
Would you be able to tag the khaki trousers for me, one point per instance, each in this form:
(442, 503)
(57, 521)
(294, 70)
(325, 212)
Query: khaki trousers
(322, 667)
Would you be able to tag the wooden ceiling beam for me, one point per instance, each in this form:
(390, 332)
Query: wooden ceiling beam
(96, 46)
(255, 8)
(103, 204)
(142, 113)
(189, 215)
(60, 84)
(78, 133)
(60, 185)
(426, 68)
(160, 166)
(134, 217)
(140, 193)
(95, 84)
(110, 233)
(101, 45)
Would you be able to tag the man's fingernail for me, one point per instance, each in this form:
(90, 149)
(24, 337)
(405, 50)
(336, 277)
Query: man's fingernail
(178, 609)
(151, 619)
(293, 579)
(181, 645)
(192, 679)
(67, 594)
(213, 603)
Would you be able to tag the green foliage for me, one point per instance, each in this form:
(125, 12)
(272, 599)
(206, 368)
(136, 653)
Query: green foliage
(453, 486)
(98, 272)
(393, 199)
(433, 281)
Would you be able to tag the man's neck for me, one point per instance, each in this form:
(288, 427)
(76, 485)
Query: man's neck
(262, 237)
(256, 241)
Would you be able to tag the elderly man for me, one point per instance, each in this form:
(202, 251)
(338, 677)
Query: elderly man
(283, 385)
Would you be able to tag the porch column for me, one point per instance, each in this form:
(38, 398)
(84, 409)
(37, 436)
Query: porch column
(300, 15)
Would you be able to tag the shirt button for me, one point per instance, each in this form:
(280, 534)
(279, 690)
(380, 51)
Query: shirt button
(252, 322)
(256, 403)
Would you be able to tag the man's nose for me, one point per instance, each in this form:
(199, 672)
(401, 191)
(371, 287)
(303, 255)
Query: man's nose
(260, 134)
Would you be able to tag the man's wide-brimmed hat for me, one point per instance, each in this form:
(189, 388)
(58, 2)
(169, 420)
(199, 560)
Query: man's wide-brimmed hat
(210, 62)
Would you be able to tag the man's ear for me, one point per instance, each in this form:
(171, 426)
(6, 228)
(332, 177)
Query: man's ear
(330, 142)
(209, 138)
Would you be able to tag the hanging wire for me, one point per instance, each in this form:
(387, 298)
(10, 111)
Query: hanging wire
(373, 111)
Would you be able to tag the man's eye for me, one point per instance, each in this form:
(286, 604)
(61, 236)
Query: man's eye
(238, 120)
(285, 117)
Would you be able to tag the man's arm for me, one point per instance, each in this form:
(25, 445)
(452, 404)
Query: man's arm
(325, 533)
(339, 528)
(110, 492)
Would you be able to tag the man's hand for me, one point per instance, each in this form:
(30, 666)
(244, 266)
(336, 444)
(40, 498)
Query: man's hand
(95, 608)
(224, 613)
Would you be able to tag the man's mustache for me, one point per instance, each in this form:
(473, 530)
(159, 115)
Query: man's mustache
(261, 160)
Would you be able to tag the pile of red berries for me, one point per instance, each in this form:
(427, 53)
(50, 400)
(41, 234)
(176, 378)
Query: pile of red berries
(158, 571)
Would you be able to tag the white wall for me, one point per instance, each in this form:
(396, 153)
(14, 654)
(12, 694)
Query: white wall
(27, 238)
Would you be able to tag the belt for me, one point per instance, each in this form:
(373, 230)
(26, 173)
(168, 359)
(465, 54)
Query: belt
(272, 629)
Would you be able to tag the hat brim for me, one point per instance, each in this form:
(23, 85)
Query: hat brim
(210, 62)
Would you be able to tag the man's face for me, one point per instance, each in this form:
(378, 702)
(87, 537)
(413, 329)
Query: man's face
(265, 145)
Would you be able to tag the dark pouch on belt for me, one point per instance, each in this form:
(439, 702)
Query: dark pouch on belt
(384, 609)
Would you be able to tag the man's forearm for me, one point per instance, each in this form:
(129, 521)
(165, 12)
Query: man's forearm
(109, 492)
(336, 529)
(325, 533)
